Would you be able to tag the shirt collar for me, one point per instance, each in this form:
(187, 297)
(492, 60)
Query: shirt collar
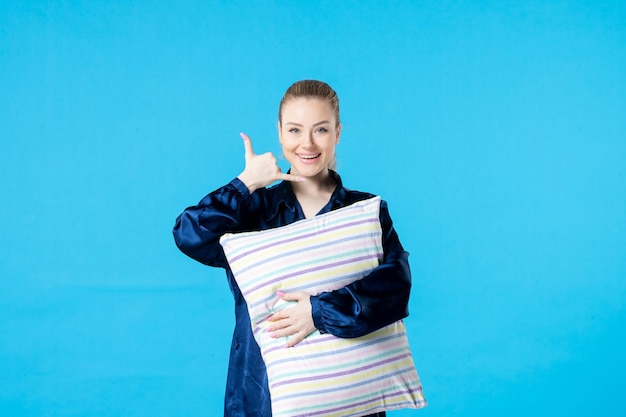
(338, 198)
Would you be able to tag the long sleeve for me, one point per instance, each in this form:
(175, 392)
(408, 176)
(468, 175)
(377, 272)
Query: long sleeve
(198, 229)
(378, 299)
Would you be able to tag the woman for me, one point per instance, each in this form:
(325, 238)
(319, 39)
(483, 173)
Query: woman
(309, 129)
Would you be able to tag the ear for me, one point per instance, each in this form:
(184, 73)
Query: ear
(280, 137)
(338, 133)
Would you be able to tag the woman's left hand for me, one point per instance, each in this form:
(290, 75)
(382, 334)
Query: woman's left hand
(296, 321)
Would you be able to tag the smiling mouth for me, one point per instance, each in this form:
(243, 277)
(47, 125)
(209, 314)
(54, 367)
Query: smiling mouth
(308, 157)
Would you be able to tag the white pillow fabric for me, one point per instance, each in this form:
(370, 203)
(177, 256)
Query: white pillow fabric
(323, 375)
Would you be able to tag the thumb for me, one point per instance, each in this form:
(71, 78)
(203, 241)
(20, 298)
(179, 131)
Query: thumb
(247, 144)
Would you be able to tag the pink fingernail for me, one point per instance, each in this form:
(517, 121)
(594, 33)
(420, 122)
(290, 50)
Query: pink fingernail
(280, 293)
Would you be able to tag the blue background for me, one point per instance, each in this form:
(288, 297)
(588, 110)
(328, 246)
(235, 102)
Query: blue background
(495, 130)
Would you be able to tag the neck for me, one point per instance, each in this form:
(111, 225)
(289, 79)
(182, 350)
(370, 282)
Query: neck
(320, 183)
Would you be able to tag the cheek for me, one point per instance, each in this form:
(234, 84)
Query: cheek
(287, 145)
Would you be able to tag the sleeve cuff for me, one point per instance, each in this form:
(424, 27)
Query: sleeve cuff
(241, 187)
(316, 312)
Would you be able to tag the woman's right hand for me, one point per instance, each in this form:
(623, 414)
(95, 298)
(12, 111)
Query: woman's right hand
(261, 170)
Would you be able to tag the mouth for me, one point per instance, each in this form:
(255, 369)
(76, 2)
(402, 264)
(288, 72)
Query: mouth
(308, 157)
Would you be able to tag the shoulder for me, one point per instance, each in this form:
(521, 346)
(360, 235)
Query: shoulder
(354, 196)
(347, 195)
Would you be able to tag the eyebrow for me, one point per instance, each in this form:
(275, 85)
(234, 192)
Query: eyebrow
(316, 124)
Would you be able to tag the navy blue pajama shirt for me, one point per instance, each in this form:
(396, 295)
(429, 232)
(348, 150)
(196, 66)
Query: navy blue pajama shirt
(375, 301)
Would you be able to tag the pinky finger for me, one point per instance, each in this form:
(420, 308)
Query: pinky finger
(289, 177)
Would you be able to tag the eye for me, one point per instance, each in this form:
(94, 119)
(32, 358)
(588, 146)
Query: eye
(294, 130)
(322, 130)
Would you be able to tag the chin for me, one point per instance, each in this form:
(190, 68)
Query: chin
(309, 171)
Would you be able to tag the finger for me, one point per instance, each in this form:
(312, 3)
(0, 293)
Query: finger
(278, 316)
(289, 177)
(279, 325)
(247, 144)
(281, 331)
(287, 296)
(292, 296)
(295, 339)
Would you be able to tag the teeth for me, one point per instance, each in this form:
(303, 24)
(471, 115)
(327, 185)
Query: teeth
(309, 156)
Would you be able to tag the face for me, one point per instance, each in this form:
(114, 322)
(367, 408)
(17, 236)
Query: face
(308, 134)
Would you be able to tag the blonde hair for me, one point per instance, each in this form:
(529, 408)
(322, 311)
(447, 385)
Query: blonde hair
(312, 89)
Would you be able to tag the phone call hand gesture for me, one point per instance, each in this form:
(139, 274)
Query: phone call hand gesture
(261, 170)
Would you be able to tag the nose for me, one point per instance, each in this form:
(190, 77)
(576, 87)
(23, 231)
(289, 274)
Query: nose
(308, 138)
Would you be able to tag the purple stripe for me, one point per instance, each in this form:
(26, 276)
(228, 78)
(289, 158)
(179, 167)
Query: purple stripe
(334, 352)
(304, 271)
(346, 372)
(378, 407)
(292, 239)
(345, 387)
(321, 245)
(304, 342)
(307, 286)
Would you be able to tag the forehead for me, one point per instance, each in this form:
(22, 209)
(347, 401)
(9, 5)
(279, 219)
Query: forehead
(307, 109)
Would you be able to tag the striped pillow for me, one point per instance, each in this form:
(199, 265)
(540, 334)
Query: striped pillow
(323, 375)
